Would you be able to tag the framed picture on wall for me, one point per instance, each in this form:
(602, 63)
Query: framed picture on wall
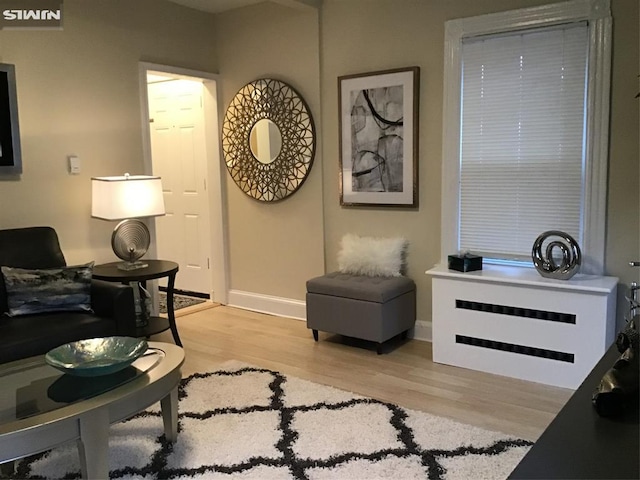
(10, 153)
(379, 138)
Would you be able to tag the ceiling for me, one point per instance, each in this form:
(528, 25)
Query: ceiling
(219, 6)
(216, 6)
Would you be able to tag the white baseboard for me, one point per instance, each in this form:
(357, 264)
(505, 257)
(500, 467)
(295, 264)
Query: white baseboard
(283, 307)
(297, 309)
(422, 331)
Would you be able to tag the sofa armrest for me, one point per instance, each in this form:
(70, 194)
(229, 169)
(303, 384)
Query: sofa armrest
(114, 300)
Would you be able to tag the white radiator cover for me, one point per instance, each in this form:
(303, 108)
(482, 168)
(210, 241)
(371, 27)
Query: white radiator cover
(511, 321)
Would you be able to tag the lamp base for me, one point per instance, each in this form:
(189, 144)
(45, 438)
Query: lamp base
(128, 266)
(130, 240)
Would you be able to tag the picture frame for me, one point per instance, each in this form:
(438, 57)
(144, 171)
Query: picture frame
(10, 151)
(379, 138)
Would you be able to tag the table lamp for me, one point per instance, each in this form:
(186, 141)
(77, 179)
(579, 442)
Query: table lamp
(128, 198)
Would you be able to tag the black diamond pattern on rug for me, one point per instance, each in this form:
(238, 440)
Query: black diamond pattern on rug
(256, 423)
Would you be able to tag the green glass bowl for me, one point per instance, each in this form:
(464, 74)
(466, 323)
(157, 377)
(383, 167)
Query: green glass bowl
(96, 356)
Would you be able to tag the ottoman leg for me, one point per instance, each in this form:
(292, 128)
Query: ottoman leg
(315, 335)
(379, 348)
(8, 468)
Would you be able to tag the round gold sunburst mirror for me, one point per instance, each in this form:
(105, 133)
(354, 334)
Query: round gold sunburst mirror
(268, 140)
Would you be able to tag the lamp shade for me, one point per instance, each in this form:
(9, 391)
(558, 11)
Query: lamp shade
(128, 196)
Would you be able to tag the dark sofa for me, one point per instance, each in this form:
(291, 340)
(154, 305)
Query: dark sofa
(28, 335)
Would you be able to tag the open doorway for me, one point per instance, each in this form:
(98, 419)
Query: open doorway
(182, 147)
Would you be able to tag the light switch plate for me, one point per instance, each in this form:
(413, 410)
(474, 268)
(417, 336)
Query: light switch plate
(74, 165)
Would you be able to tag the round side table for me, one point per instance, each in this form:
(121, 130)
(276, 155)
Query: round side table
(156, 269)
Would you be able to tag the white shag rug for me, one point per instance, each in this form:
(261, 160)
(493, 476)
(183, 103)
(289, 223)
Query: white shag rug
(251, 423)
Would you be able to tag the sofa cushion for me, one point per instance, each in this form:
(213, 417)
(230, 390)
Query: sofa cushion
(32, 291)
(372, 256)
(29, 335)
(360, 287)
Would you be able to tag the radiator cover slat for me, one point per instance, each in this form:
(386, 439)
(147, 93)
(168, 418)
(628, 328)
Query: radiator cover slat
(520, 349)
(516, 311)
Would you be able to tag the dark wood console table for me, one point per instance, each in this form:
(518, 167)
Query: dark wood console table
(156, 269)
(579, 444)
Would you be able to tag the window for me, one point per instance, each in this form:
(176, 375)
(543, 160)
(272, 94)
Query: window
(525, 130)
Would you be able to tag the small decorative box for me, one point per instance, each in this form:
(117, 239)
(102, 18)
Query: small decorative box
(465, 263)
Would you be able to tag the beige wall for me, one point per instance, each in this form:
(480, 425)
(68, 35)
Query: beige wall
(359, 36)
(274, 247)
(78, 93)
(623, 243)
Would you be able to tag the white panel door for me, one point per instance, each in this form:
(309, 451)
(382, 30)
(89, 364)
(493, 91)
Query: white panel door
(178, 153)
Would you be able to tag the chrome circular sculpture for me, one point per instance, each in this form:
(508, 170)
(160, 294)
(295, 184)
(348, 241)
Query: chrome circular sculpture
(130, 240)
(268, 140)
(546, 265)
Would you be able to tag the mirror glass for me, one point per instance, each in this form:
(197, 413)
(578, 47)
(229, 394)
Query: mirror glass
(265, 141)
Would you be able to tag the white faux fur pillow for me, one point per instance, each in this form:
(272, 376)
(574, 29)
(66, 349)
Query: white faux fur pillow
(381, 257)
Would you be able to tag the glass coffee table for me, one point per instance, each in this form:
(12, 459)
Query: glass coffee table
(40, 407)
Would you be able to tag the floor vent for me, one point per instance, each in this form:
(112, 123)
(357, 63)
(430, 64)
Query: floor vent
(516, 311)
(521, 349)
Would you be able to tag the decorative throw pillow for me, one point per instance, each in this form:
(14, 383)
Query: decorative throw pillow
(381, 257)
(48, 290)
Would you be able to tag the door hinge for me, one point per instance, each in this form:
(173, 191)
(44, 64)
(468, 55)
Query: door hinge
(208, 265)
(205, 183)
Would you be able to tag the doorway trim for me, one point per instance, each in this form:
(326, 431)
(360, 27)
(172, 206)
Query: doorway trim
(216, 192)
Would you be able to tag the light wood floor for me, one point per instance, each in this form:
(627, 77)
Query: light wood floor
(405, 375)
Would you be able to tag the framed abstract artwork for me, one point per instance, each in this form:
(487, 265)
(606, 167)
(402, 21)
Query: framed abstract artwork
(10, 152)
(379, 138)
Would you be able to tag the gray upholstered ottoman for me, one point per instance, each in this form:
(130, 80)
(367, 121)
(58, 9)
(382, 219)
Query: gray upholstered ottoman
(370, 308)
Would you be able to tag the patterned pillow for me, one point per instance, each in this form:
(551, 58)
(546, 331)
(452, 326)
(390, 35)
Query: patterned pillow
(48, 290)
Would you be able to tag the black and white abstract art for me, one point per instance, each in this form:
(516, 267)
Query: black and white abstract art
(378, 133)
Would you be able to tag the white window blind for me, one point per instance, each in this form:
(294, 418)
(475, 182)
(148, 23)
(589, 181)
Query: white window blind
(522, 161)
